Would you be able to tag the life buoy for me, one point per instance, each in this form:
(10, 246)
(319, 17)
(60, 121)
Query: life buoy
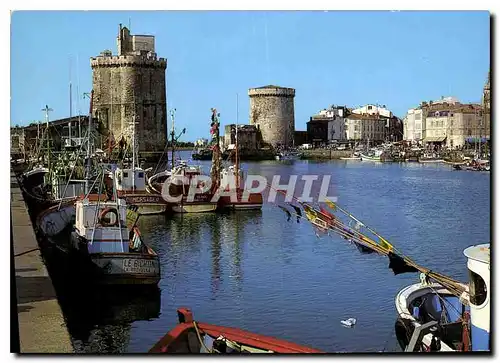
(103, 215)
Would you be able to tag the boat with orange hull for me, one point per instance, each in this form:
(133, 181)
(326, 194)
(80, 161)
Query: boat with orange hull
(191, 337)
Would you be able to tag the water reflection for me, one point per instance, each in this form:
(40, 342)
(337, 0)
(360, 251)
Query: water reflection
(100, 320)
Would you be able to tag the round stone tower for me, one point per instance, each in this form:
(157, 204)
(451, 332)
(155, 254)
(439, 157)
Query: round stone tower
(131, 87)
(272, 111)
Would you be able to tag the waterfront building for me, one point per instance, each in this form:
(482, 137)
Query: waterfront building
(413, 125)
(327, 125)
(26, 137)
(300, 138)
(247, 136)
(448, 122)
(366, 127)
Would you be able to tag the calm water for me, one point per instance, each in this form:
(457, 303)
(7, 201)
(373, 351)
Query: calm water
(256, 271)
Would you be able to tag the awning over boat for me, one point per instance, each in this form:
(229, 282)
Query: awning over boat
(435, 139)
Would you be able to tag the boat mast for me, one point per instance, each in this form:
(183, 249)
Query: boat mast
(89, 145)
(172, 134)
(70, 103)
(236, 164)
(133, 153)
(47, 110)
(216, 158)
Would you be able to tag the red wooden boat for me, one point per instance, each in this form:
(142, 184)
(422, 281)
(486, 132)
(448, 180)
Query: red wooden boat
(190, 337)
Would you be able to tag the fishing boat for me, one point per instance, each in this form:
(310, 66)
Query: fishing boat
(372, 155)
(181, 181)
(354, 156)
(231, 177)
(429, 159)
(103, 245)
(463, 320)
(130, 184)
(192, 337)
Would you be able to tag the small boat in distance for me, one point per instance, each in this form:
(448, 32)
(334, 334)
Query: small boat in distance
(372, 155)
(354, 156)
(429, 158)
(191, 337)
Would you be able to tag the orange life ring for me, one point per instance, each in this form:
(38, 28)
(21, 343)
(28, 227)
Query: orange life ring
(104, 213)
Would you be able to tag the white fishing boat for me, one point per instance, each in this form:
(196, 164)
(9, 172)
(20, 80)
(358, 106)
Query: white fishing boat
(354, 156)
(430, 158)
(131, 185)
(463, 321)
(372, 155)
(103, 244)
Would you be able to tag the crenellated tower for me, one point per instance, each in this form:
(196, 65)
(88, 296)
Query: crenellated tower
(130, 86)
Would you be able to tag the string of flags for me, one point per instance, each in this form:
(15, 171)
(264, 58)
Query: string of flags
(326, 218)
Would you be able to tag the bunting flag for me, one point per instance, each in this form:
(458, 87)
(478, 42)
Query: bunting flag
(132, 216)
(324, 214)
(397, 262)
(399, 265)
(386, 245)
(288, 214)
(297, 211)
(363, 249)
(310, 213)
(331, 205)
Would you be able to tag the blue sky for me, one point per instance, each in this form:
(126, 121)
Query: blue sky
(393, 58)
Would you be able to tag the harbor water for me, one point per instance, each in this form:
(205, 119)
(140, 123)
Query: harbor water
(257, 271)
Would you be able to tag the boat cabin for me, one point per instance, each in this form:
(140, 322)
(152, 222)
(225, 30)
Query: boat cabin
(478, 264)
(102, 224)
(130, 179)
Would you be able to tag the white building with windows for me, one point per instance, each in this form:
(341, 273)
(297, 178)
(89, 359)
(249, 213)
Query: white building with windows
(413, 125)
(371, 109)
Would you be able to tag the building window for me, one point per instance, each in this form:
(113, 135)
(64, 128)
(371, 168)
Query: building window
(369, 107)
(125, 174)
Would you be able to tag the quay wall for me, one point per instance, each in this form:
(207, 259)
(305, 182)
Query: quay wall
(40, 322)
(325, 154)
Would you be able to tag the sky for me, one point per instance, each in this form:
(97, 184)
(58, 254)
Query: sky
(397, 59)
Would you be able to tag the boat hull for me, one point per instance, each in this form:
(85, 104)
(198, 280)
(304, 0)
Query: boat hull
(148, 204)
(126, 268)
(114, 268)
(254, 202)
(57, 218)
(430, 160)
(350, 158)
(194, 207)
(183, 339)
(370, 158)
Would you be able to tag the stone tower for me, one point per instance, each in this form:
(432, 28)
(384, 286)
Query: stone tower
(131, 86)
(272, 111)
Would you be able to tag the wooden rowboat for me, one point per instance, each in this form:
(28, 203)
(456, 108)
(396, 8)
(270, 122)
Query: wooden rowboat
(190, 337)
